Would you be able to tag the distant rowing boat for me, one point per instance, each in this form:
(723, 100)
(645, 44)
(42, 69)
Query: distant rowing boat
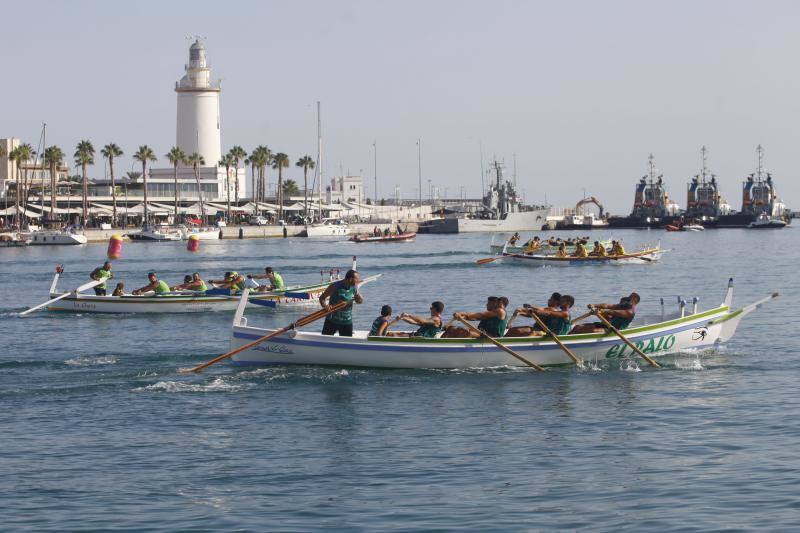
(384, 238)
(698, 330)
(297, 297)
(643, 256)
(546, 246)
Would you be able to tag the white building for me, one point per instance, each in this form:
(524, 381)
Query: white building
(345, 189)
(37, 171)
(197, 131)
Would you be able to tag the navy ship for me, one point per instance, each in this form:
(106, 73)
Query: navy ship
(652, 207)
(704, 203)
(759, 199)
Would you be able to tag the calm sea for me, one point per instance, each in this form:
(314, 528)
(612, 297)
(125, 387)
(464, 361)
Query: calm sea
(100, 432)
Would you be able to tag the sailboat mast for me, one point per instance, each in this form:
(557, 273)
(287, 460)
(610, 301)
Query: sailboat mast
(319, 158)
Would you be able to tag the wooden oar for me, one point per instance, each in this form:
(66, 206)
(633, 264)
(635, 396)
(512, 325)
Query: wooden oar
(633, 347)
(549, 332)
(583, 316)
(302, 322)
(501, 346)
(488, 260)
(83, 287)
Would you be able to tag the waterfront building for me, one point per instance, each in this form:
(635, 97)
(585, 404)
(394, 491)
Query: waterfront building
(35, 170)
(345, 189)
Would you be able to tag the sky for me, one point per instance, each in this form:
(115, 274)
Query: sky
(578, 92)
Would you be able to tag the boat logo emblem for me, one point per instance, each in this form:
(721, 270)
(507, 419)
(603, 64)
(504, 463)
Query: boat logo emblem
(699, 334)
(275, 348)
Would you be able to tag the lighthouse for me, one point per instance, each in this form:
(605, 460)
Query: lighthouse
(198, 108)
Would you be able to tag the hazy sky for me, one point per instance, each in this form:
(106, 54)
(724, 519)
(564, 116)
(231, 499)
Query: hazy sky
(581, 92)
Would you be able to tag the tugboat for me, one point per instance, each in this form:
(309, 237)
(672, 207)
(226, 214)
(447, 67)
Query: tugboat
(500, 212)
(704, 204)
(758, 198)
(652, 207)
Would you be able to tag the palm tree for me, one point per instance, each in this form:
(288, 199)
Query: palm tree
(263, 159)
(13, 156)
(197, 161)
(227, 161)
(238, 154)
(24, 154)
(305, 162)
(144, 155)
(176, 157)
(53, 156)
(290, 188)
(110, 151)
(133, 176)
(84, 155)
(280, 161)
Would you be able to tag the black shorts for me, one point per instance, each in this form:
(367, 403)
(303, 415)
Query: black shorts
(99, 292)
(344, 330)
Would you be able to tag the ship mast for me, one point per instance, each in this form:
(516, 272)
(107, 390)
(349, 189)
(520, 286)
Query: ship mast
(704, 171)
(652, 165)
(760, 170)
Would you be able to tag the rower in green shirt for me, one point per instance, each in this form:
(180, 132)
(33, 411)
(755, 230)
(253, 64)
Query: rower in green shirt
(156, 285)
(104, 273)
(493, 321)
(275, 280)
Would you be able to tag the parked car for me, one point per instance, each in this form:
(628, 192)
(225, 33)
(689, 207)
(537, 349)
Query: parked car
(258, 221)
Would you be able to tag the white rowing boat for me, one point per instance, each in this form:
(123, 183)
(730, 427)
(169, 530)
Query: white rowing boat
(648, 255)
(698, 330)
(298, 297)
(546, 246)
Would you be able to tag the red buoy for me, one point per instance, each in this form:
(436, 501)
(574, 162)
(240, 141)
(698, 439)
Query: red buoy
(114, 247)
(193, 244)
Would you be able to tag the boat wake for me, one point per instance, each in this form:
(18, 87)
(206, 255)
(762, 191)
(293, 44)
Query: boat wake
(218, 384)
(91, 361)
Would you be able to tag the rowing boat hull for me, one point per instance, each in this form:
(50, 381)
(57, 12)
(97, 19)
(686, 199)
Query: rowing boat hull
(693, 332)
(86, 303)
(390, 238)
(645, 256)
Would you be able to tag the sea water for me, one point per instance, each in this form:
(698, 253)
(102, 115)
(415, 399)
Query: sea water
(100, 431)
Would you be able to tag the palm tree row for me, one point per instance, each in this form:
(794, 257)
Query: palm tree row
(259, 160)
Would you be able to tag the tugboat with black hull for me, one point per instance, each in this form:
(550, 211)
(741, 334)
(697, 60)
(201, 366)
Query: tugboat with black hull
(652, 207)
(500, 212)
(704, 203)
(760, 202)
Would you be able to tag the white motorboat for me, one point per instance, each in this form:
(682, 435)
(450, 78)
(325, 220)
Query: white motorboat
(764, 221)
(328, 228)
(49, 237)
(694, 331)
(157, 233)
(203, 233)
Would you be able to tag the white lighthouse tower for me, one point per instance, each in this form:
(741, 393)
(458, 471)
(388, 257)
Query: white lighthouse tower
(198, 108)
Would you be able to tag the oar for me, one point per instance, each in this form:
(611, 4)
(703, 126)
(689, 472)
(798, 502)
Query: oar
(633, 347)
(302, 322)
(549, 332)
(83, 287)
(501, 346)
(583, 316)
(488, 260)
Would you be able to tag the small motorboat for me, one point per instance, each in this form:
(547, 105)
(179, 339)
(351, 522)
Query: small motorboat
(394, 237)
(157, 233)
(329, 227)
(70, 236)
(202, 233)
(764, 221)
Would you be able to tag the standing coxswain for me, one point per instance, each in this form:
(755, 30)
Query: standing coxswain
(101, 273)
(344, 290)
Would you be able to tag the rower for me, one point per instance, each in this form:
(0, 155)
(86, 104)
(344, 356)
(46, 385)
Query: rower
(101, 273)
(528, 310)
(231, 281)
(429, 328)
(562, 251)
(119, 290)
(344, 290)
(381, 324)
(197, 283)
(155, 285)
(616, 248)
(620, 315)
(187, 279)
(514, 238)
(557, 318)
(533, 245)
(580, 250)
(599, 250)
(492, 321)
(276, 281)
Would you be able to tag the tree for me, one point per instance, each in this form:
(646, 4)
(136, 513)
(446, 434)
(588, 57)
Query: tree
(227, 161)
(110, 151)
(145, 155)
(263, 159)
(176, 157)
(305, 162)
(84, 156)
(280, 161)
(25, 153)
(290, 188)
(197, 161)
(53, 156)
(238, 153)
(133, 175)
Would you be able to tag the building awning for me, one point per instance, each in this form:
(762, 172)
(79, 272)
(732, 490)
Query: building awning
(11, 211)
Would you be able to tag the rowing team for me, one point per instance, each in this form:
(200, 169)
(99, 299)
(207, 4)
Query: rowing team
(191, 282)
(552, 241)
(598, 251)
(493, 321)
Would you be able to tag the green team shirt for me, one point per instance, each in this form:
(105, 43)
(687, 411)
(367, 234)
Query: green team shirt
(343, 317)
(162, 287)
(278, 281)
(104, 275)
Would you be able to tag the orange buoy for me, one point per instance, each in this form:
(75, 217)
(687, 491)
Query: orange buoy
(193, 244)
(114, 247)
